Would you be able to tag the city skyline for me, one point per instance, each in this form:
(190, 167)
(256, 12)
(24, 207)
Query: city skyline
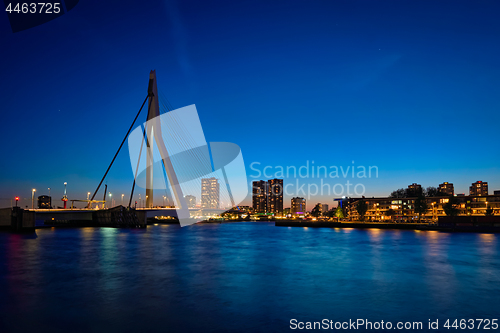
(312, 201)
(261, 194)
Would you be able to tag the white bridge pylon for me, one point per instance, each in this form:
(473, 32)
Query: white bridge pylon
(153, 132)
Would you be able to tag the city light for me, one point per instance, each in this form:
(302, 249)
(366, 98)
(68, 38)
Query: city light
(33, 198)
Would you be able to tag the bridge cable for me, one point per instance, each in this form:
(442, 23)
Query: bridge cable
(137, 168)
(144, 137)
(125, 138)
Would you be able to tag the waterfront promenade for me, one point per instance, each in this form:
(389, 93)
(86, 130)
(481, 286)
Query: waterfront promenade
(461, 227)
(354, 224)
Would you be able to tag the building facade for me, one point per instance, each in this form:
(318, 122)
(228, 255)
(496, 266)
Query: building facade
(210, 193)
(402, 209)
(414, 190)
(446, 188)
(275, 196)
(190, 201)
(259, 196)
(298, 206)
(479, 188)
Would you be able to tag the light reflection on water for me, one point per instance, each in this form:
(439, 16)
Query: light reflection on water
(241, 276)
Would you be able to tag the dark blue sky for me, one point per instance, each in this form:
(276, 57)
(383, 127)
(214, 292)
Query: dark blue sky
(409, 87)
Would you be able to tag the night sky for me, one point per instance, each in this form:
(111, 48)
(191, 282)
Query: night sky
(411, 87)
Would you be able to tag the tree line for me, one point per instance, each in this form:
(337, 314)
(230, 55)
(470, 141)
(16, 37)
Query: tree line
(430, 191)
(334, 212)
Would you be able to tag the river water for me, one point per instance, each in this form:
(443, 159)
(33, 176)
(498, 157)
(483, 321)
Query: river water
(245, 277)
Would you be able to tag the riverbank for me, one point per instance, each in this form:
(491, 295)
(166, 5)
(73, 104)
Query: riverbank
(378, 225)
(357, 225)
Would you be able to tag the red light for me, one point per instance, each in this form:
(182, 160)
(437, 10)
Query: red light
(17, 198)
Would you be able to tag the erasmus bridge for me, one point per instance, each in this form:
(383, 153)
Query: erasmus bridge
(168, 152)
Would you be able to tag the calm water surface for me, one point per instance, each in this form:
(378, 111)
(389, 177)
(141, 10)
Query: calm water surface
(246, 277)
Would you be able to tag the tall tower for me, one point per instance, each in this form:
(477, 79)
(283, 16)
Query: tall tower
(153, 132)
(210, 193)
(153, 111)
(275, 196)
(259, 196)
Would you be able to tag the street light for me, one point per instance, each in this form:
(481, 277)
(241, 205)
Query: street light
(33, 199)
(88, 201)
(49, 191)
(122, 198)
(110, 196)
(65, 197)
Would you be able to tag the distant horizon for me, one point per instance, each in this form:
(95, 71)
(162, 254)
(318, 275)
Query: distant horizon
(310, 202)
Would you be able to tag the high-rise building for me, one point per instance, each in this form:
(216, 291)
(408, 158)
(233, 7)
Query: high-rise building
(275, 196)
(298, 206)
(446, 188)
(210, 193)
(479, 188)
(414, 190)
(259, 196)
(190, 201)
